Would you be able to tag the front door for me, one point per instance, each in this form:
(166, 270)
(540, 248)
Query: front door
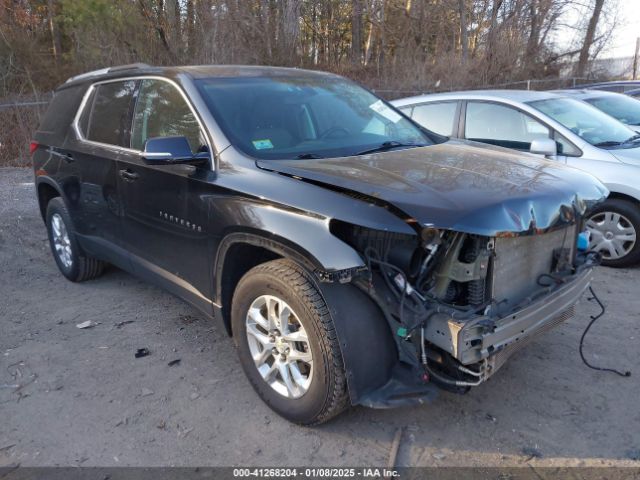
(164, 223)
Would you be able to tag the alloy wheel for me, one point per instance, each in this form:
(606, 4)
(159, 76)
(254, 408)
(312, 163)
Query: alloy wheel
(61, 241)
(279, 346)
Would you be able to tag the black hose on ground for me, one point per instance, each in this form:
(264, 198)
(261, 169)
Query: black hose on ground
(593, 319)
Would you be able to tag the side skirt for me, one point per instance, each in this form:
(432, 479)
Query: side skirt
(147, 271)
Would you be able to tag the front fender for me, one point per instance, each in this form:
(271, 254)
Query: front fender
(624, 189)
(300, 231)
(305, 238)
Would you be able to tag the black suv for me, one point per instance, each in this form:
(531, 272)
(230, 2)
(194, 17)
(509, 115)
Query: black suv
(354, 257)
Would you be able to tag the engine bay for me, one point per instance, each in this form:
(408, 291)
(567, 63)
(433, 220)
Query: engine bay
(460, 304)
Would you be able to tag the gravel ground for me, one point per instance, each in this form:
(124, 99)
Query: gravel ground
(83, 399)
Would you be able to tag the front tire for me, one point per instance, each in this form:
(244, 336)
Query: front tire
(287, 343)
(71, 261)
(614, 226)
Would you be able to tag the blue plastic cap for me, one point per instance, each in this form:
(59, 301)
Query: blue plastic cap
(583, 241)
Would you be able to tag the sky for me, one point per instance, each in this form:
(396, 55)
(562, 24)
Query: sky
(623, 42)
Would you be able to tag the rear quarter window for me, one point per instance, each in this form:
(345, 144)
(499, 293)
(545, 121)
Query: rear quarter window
(58, 118)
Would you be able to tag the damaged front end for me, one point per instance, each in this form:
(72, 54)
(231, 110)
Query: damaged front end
(480, 258)
(460, 304)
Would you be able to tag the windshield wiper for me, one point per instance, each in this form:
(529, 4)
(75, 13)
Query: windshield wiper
(633, 139)
(384, 146)
(608, 143)
(612, 143)
(308, 156)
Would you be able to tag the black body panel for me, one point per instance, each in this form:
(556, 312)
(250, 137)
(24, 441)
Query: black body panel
(178, 225)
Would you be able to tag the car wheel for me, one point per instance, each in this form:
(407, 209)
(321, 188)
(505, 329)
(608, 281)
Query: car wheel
(287, 344)
(614, 228)
(71, 261)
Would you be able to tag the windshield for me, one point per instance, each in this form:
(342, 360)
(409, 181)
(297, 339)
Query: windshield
(306, 117)
(587, 122)
(620, 107)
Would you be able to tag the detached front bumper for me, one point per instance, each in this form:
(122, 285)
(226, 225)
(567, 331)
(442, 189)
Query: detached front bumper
(491, 342)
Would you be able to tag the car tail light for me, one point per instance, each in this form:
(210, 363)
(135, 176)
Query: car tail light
(33, 146)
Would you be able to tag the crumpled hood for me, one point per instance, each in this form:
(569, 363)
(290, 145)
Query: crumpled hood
(630, 156)
(457, 185)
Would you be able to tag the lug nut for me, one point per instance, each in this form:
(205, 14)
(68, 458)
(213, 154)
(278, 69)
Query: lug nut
(274, 350)
(283, 357)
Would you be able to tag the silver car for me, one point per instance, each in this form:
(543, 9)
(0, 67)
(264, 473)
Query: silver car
(621, 107)
(562, 129)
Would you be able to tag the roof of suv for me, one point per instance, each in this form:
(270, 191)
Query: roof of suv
(513, 95)
(195, 71)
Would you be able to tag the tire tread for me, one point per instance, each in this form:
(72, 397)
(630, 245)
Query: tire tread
(302, 283)
(88, 267)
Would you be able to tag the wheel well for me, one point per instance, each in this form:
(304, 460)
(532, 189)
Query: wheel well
(239, 259)
(45, 193)
(622, 196)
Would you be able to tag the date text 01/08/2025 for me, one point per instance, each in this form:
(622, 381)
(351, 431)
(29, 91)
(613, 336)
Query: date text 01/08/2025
(325, 472)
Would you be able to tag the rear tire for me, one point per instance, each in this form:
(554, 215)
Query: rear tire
(74, 264)
(316, 390)
(614, 227)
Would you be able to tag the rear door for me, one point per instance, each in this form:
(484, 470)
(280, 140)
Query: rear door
(164, 218)
(102, 129)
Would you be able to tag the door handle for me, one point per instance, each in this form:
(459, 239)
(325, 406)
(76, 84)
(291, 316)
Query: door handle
(128, 175)
(68, 158)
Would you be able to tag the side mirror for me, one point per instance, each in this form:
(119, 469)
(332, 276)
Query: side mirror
(544, 146)
(171, 151)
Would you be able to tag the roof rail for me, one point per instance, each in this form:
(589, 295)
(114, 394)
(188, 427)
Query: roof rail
(102, 71)
(130, 66)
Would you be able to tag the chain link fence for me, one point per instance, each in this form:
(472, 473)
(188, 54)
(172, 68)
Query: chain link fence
(19, 118)
(531, 84)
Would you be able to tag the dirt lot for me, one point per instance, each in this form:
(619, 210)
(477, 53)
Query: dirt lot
(83, 399)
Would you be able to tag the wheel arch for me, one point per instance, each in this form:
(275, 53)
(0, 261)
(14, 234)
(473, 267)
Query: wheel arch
(46, 190)
(364, 336)
(238, 253)
(624, 196)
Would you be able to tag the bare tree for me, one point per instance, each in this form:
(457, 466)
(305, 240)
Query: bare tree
(356, 31)
(464, 33)
(589, 38)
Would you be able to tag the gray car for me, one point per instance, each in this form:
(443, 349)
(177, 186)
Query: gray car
(621, 107)
(628, 87)
(562, 129)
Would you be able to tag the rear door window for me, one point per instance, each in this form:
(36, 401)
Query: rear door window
(502, 125)
(161, 111)
(437, 117)
(109, 120)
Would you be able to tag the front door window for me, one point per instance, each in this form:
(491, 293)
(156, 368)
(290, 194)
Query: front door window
(502, 125)
(161, 111)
